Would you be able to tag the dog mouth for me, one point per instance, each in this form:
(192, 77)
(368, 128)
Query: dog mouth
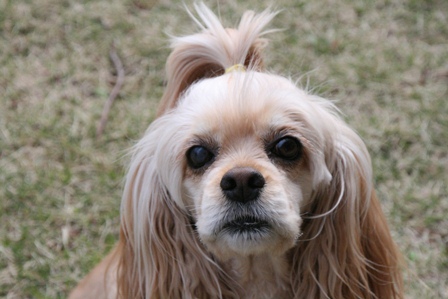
(246, 225)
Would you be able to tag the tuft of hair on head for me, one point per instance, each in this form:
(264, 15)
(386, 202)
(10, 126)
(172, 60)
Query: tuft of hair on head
(209, 53)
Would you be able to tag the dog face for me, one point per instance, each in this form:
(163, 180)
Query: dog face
(251, 155)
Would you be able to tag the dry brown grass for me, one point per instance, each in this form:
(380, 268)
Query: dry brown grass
(385, 62)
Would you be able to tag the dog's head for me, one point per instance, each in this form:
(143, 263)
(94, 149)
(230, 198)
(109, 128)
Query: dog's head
(251, 154)
(242, 162)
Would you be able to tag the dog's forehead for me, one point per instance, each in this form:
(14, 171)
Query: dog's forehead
(238, 104)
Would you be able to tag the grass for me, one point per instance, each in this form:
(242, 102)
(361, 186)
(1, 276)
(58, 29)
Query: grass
(385, 62)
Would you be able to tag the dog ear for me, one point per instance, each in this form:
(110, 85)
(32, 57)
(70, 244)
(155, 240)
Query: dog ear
(346, 250)
(210, 53)
(159, 254)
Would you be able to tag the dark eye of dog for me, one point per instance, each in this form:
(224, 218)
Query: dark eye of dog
(287, 148)
(198, 156)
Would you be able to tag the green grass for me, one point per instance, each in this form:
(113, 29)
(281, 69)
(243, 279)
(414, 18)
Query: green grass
(385, 62)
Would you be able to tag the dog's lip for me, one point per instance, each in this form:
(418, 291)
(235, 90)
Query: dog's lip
(246, 224)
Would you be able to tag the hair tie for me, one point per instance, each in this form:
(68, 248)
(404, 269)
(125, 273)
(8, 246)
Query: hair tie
(236, 67)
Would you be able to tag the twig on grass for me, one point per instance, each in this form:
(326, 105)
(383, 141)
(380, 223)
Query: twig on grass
(115, 91)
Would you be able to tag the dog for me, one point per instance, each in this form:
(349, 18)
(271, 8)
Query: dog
(246, 186)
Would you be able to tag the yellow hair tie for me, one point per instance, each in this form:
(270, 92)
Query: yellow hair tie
(236, 67)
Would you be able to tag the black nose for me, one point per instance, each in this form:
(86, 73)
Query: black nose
(242, 184)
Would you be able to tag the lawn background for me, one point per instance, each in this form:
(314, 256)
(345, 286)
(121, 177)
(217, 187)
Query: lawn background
(384, 62)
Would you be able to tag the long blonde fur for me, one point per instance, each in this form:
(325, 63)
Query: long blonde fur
(349, 252)
(345, 250)
(208, 53)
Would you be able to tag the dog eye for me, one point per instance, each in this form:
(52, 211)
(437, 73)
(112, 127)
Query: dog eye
(287, 148)
(198, 156)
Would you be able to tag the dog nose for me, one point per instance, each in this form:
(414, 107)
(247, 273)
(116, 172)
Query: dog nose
(242, 184)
